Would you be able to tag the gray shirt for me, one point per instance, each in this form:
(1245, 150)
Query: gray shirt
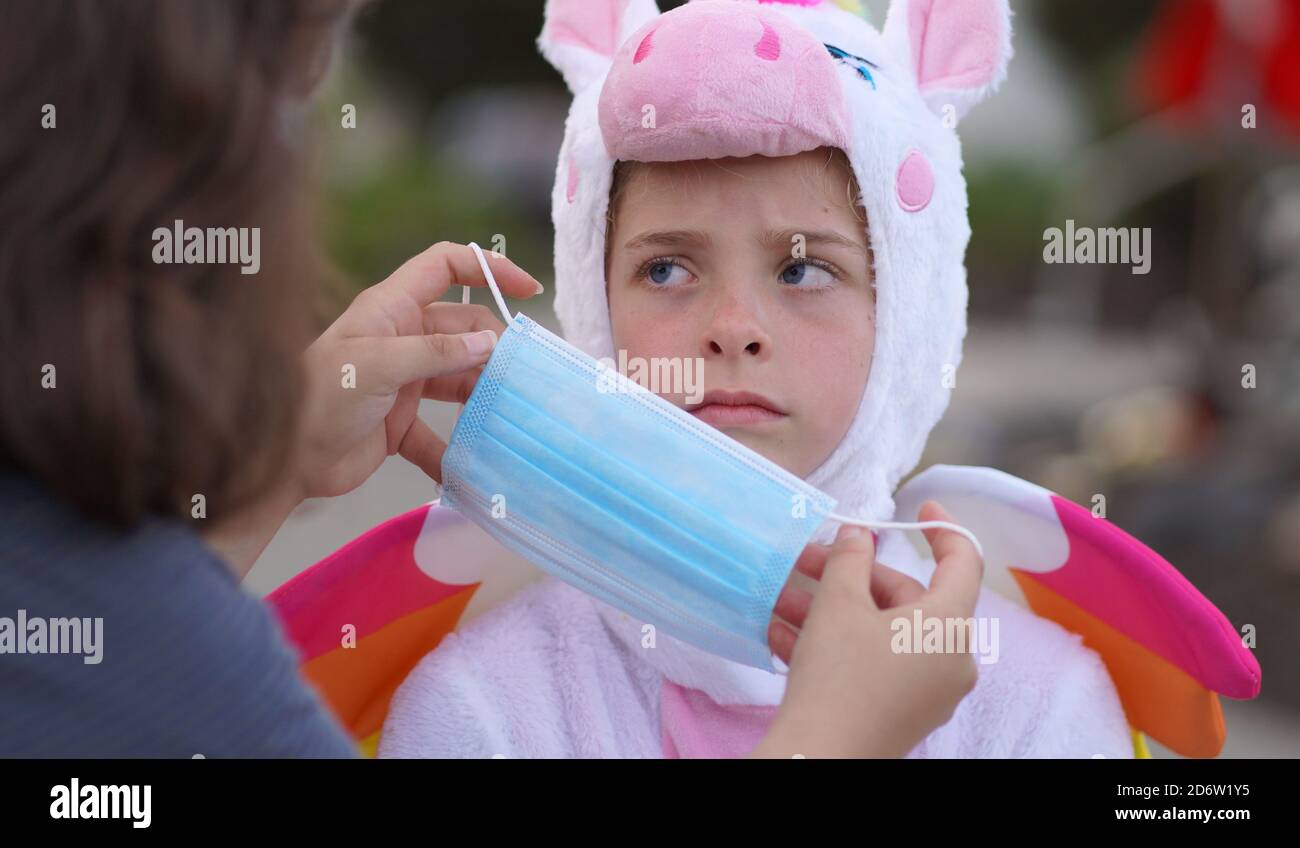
(139, 644)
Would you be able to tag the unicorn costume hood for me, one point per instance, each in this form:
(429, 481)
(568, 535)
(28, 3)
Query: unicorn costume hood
(724, 78)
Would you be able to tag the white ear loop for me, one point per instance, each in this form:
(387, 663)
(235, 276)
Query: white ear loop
(464, 299)
(912, 525)
(778, 665)
(492, 284)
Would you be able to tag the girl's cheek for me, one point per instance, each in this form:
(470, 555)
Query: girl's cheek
(659, 321)
(626, 317)
(645, 332)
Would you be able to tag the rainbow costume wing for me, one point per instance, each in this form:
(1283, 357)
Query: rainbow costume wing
(365, 615)
(1170, 651)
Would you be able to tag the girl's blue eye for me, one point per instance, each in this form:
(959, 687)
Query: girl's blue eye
(664, 273)
(805, 275)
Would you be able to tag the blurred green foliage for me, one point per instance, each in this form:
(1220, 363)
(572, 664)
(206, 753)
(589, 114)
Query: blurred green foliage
(412, 200)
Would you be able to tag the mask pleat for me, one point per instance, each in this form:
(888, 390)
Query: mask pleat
(620, 469)
(747, 511)
(723, 631)
(696, 567)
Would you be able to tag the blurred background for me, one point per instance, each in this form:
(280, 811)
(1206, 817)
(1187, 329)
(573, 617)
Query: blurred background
(1176, 394)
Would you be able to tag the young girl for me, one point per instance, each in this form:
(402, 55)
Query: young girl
(774, 189)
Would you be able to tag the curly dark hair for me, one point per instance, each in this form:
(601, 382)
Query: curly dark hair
(168, 380)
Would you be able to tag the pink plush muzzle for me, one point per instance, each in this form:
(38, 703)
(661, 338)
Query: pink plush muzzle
(709, 80)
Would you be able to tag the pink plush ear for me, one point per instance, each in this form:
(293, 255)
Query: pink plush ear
(958, 49)
(580, 36)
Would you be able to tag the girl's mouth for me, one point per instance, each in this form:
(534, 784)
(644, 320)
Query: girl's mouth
(720, 408)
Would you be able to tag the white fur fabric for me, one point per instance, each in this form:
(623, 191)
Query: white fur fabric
(555, 673)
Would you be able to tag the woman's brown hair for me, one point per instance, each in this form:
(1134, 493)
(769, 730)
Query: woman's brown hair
(128, 386)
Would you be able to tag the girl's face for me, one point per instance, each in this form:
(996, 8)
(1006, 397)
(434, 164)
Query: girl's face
(760, 269)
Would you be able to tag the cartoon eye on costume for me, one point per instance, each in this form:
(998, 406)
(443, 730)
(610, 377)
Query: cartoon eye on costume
(856, 62)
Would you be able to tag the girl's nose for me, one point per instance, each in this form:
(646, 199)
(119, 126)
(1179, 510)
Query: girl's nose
(735, 332)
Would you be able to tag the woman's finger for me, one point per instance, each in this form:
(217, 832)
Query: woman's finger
(454, 388)
(447, 317)
(849, 564)
(959, 569)
(388, 364)
(426, 277)
(813, 560)
(780, 640)
(793, 604)
(423, 448)
(893, 588)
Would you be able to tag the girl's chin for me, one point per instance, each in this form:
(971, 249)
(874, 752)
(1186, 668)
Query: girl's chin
(770, 446)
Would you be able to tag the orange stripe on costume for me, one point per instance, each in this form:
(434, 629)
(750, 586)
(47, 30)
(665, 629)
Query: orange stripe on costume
(359, 682)
(1159, 698)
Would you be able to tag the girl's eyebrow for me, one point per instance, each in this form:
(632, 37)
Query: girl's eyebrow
(785, 238)
(669, 238)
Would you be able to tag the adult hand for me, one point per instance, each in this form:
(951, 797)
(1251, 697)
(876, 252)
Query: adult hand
(402, 345)
(365, 376)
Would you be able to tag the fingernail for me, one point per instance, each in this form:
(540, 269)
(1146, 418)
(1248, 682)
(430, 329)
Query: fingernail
(539, 289)
(779, 666)
(480, 343)
(848, 530)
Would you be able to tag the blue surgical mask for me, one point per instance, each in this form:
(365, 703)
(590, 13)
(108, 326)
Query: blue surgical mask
(609, 487)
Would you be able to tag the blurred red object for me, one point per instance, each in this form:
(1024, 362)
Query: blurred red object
(1202, 60)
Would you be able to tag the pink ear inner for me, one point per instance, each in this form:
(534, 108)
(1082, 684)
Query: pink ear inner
(571, 187)
(915, 182)
(956, 44)
(587, 24)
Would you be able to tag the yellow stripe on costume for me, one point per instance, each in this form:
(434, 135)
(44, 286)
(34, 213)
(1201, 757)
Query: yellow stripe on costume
(854, 6)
